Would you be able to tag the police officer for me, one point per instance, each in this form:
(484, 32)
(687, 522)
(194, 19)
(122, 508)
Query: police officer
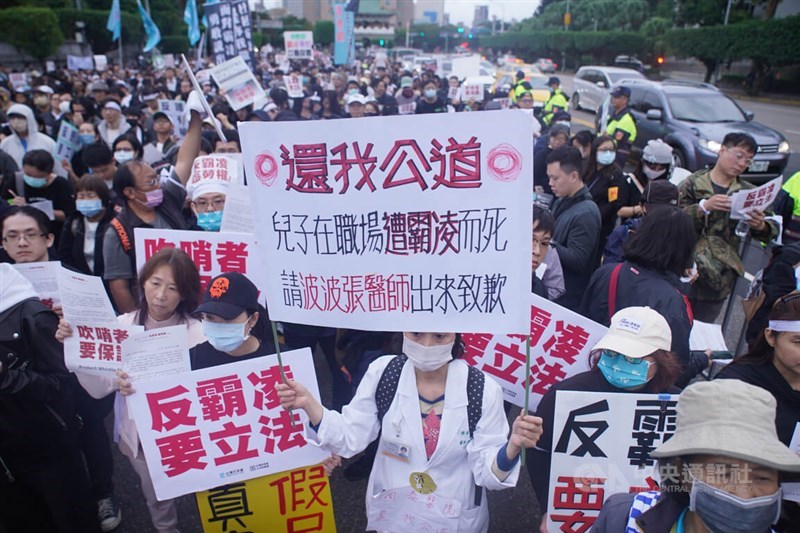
(621, 124)
(520, 87)
(557, 101)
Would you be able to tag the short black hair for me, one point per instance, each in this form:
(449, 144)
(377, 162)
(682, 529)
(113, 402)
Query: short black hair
(544, 218)
(583, 137)
(664, 241)
(742, 140)
(40, 160)
(230, 136)
(124, 178)
(95, 184)
(42, 221)
(96, 155)
(138, 151)
(568, 157)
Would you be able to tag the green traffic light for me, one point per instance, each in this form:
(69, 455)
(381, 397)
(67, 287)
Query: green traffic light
(460, 30)
(469, 36)
(422, 34)
(381, 42)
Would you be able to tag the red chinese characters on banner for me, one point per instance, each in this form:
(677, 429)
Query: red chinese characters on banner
(100, 343)
(580, 499)
(211, 258)
(210, 168)
(299, 491)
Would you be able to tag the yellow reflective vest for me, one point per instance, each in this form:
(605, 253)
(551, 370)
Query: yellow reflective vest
(623, 123)
(557, 99)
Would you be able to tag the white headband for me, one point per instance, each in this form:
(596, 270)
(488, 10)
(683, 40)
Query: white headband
(785, 325)
(112, 105)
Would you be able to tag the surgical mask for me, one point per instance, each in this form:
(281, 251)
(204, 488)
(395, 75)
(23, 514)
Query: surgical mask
(154, 198)
(622, 373)
(63, 107)
(90, 207)
(36, 183)
(606, 157)
(352, 91)
(427, 358)
(86, 138)
(210, 221)
(430, 94)
(223, 336)
(123, 156)
(18, 124)
(652, 174)
(723, 512)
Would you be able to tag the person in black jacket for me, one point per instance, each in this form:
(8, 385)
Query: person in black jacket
(779, 278)
(81, 246)
(542, 229)
(43, 486)
(655, 257)
(773, 363)
(604, 179)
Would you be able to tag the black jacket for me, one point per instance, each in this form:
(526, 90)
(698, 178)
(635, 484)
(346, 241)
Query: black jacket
(778, 280)
(37, 411)
(639, 286)
(70, 248)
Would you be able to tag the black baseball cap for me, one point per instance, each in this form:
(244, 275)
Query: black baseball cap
(621, 91)
(228, 296)
(553, 81)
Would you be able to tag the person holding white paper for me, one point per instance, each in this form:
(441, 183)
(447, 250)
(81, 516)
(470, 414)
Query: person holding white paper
(427, 443)
(773, 364)
(170, 285)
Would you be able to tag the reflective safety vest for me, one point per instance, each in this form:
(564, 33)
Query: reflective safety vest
(791, 228)
(622, 122)
(518, 90)
(557, 99)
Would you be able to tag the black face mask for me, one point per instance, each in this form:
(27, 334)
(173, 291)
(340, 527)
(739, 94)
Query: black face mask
(133, 122)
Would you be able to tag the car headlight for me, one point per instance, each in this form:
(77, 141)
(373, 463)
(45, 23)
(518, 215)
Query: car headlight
(783, 148)
(712, 146)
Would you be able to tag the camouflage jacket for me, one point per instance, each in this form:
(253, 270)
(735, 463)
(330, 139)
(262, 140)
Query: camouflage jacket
(719, 280)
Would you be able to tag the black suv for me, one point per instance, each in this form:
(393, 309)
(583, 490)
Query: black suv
(693, 118)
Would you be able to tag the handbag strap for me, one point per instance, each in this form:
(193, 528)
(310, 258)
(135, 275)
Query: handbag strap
(612, 291)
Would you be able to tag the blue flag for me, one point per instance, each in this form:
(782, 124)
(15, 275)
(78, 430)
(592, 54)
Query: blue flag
(192, 20)
(150, 28)
(114, 24)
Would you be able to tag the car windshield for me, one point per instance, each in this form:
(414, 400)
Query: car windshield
(704, 108)
(616, 76)
(539, 83)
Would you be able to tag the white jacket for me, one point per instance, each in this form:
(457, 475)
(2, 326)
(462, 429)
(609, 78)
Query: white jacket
(457, 465)
(125, 432)
(12, 145)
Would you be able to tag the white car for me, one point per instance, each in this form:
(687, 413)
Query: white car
(592, 82)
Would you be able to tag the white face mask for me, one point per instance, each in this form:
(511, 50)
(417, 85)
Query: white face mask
(427, 358)
(123, 156)
(652, 174)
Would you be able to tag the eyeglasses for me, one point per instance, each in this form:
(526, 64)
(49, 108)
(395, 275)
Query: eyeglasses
(28, 236)
(542, 244)
(152, 182)
(631, 360)
(217, 204)
(741, 156)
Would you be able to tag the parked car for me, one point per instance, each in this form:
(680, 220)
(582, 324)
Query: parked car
(693, 118)
(545, 64)
(592, 82)
(540, 91)
(630, 62)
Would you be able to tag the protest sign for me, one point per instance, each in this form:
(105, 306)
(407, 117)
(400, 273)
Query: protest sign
(560, 344)
(100, 62)
(174, 110)
(760, 198)
(419, 222)
(505, 103)
(298, 44)
(223, 424)
(49, 66)
(84, 297)
(297, 500)
(44, 278)
(294, 86)
(96, 348)
(236, 80)
(601, 446)
(18, 80)
(68, 142)
(406, 509)
(472, 91)
(453, 93)
(344, 34)
(155, 353)
(230, 30)
(212, 252)
(80, 63)
(237, 217)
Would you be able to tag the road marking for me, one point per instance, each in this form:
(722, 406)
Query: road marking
(589, 124)
(793, 132)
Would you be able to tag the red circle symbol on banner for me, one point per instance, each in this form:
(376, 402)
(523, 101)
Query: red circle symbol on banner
(505, 162)
(266, 168)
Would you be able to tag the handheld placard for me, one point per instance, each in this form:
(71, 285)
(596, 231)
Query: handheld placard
(280, 362)
(202, 99)
(527, 385)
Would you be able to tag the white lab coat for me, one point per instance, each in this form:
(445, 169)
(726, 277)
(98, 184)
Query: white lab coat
(457, 465)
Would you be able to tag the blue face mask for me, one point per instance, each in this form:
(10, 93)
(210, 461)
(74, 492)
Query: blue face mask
(86, 138)
(623, 372)
(36, 183)
(223, 336)
(606, 157)
(89, 208)
(210, 221)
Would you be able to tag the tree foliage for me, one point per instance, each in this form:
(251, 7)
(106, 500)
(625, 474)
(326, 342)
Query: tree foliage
(323, 32)
(614, 15)
(33, 30)
(98, 37)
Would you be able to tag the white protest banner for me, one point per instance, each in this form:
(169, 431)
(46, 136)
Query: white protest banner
(560, 344)
(212, 252)
(80, 63)
(419, 222)
(298, 44)
(225, 168)
(44, 278)
(156, 353)
(472, 91)
(96, 348)
(68, 142)
(236, 80)
(760, 198)
(49, 66)
(174, 110)
(505, 103)
(407, 109)
(100, 62)
(169, 60)
(18, 80)
(223, 424)
(453, 93)
(84, 297)
(237, 217)
(601, 446)
(294, 86)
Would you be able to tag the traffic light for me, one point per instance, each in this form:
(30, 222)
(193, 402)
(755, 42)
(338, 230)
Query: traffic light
(422, 34)
(460, 30)
(381, 42)
(660, 60)
(469, 36)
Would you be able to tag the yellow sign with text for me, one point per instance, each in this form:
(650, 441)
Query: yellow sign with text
(295, 501)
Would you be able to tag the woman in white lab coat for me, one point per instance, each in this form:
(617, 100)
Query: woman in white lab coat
(428, 468)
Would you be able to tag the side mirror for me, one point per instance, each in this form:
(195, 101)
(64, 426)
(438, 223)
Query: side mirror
(654, 114)
(601, 84)
(749, 115)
